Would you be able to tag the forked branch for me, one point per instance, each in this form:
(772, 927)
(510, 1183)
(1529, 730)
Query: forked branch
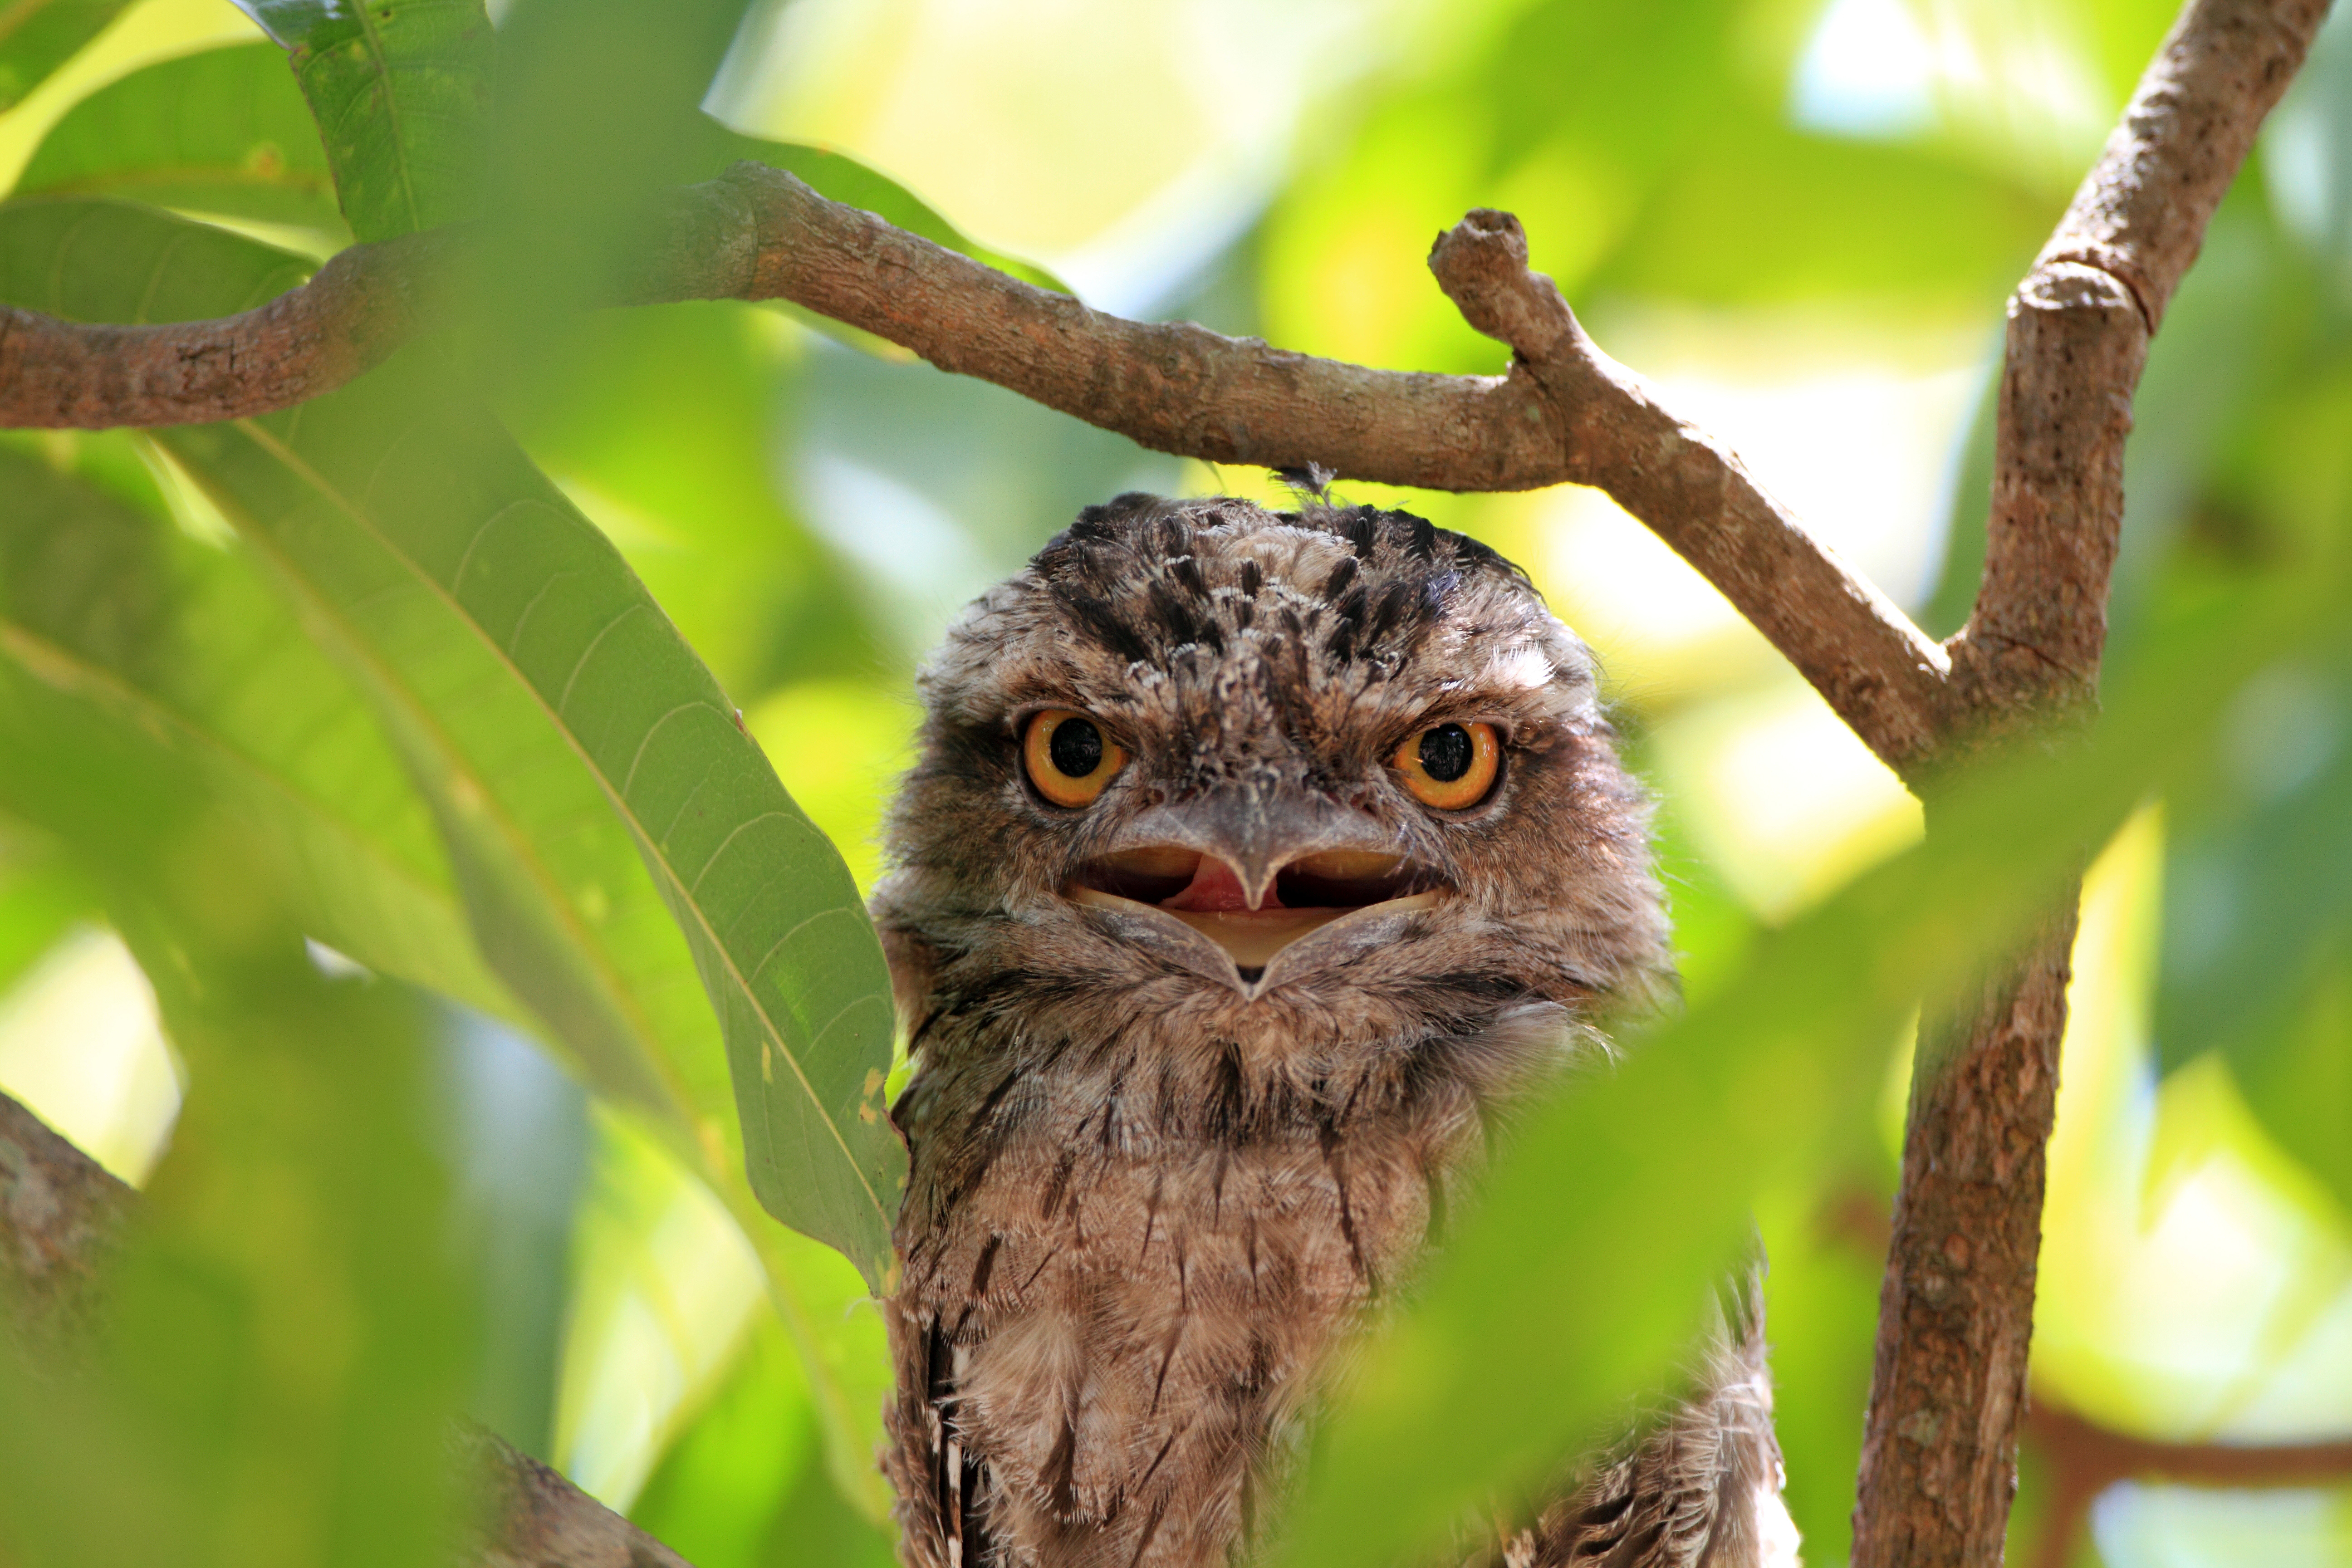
(1564, 413)
(1956, 1307)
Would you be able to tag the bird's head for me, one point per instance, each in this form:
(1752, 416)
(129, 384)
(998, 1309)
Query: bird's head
(1316, 777)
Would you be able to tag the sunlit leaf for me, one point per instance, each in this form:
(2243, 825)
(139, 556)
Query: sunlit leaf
(718, 1490)
(223, 132)
(128, 647)
(662, 1292)
(2297, 1074)
(540, 694)
(738, 1488)
(36, 37)
(660, 425)
(400, 93)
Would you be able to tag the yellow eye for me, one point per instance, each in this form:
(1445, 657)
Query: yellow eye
(1450, 766)
(1068, 757)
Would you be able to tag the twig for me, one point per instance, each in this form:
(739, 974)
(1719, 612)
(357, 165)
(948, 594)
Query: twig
(61, 1215)
(1882, 674)
(1565, 413)
(1956, 1312)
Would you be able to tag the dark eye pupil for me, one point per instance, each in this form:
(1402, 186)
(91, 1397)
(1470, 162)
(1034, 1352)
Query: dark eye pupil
(1076, 747)
(1444, 752)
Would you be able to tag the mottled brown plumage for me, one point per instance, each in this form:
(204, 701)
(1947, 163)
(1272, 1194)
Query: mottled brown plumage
(1162, 1180)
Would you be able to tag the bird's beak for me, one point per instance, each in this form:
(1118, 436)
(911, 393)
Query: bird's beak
(1254, 873)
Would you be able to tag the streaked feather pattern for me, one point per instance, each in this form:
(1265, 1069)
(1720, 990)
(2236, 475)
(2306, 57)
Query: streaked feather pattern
(1156, 1195)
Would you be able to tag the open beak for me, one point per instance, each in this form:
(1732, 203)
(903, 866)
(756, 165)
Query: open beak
(1253, 890)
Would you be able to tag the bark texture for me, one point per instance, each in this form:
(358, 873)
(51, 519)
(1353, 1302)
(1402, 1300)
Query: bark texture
(1956, 1305)
(1956, 1309)
(62, 1216)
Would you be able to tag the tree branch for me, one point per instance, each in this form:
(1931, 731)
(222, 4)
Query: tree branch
(62, 1216)
(1564, 413)
(363, 304)
(1882, 674)
(2079, 326)
(1956, 1311)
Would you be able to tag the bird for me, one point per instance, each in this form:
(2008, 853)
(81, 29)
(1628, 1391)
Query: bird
(1251, 868)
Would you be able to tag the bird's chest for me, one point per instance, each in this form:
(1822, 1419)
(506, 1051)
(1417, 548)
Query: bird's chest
(1134, 1306)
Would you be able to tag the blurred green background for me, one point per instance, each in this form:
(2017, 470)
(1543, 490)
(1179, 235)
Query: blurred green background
(1799, 219)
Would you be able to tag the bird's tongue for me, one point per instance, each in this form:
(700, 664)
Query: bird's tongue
(1216, 889)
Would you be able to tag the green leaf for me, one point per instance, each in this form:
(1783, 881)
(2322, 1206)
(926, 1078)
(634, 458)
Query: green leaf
(127, 648)
(223, 132)
(540, 693)
(736, 1490)
(36, 37)
(401, 92)
(1642, 1177)
(511, 633)
(663, 418)
(116, 261)
(1769, 214)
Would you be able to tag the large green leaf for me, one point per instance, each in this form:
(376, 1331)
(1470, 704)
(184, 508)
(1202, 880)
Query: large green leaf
(512, 632)
(666, 417)
(555, 720)
(102, 260)
(223, 132)
(1578, 1279)
(128, 647)
(401, 92)
(36, 37)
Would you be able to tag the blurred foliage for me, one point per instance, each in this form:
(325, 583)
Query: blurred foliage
(224, 132)
(38, 36)
(406, 672)
(286, 1340)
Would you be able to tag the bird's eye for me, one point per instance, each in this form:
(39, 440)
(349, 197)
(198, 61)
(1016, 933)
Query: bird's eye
(1068, 757)
(1450, 766)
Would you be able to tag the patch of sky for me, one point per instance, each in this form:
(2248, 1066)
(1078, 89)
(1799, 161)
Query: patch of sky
(1867, 70)
(2190, 1526)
